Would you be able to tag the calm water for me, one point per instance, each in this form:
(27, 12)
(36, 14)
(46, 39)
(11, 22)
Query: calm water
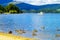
(32, 21)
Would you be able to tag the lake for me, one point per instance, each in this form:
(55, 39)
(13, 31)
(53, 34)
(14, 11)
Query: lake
(46, 24)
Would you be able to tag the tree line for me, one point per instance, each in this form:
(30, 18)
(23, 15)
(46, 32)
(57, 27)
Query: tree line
(11, 8)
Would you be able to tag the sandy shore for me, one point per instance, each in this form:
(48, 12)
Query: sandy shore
(6, 36)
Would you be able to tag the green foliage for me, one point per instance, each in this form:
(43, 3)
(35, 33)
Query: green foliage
(48, 10)
(2, 9)
(12, 9)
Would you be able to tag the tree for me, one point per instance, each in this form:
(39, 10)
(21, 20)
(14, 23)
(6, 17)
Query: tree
(2, 9)
(12, 9)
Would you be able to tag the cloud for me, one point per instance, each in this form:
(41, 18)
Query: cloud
(15, 2)
(40, 2)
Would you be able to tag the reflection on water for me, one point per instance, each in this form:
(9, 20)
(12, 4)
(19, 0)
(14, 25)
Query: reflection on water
(31, 25)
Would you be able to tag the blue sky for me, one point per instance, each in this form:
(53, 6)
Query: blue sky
(4, 1)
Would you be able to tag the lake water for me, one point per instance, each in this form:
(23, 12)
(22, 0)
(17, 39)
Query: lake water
(46, 24)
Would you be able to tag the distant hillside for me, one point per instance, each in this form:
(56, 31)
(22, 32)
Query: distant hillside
(32, 8)
(44, 8)
(28, 6)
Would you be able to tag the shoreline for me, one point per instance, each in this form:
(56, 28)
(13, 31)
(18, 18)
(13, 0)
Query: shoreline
(6, 36)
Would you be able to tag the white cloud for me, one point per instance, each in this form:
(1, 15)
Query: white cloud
(40, 2)
(15, 2)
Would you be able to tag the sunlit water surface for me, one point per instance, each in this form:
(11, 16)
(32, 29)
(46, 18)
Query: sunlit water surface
(31, 21)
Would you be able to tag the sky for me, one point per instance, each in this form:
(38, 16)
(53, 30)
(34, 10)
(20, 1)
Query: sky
(40, 2)
(4, 1)
(33, 2)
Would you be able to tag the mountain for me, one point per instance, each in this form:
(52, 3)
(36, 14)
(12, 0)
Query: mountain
(44, 8)
(28, 7)
(25, 6)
